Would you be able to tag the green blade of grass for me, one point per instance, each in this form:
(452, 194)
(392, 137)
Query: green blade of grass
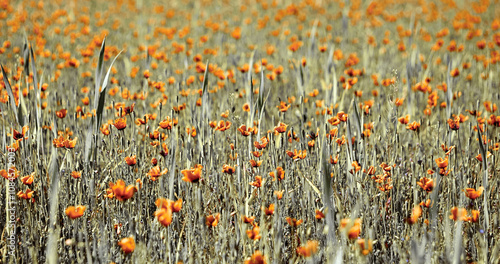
(102, 94)
(98, 72)
(12, 101)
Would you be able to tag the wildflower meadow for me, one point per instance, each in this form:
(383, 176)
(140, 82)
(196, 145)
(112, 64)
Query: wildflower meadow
(250, 131)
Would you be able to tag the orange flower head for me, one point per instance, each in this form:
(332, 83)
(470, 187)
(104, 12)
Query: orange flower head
(269, 210)
(131, 161)
(164, 216)
(319, 215)
(309, 249)
(74, 212)
(120, 123)
(454, 123)
(212, 220)
(256, 258)
(156, 173)
(283, 107)
(253, 233)
(258, 182)
(353, 228)
(61, 113)
(76, 174)
(366, 246)
(245, 131)
(228, 169)
(121, 191)
(474, 216)
(281, 128)
(127, 244)
(414, 126)
(342, 116)
(28, 194)
(415, 215)
(294, 222)
(458, 214)
(426, 184)
(246, 107)
(442, 163)
(27, 180)
(248, 220)
(474, 194)
(69, 144)
(404, 120)
(262, 145)
(192, 175)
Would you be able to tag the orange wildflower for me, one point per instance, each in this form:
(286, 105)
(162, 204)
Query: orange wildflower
(474, 215)
(353, 229)
(212, 220)
(28, 194)
(269, 210)
(127, 244)
(246, 131)
(309, 249)
(294, 222)
(69, 144)
(76, 174)
(459, 214)
(404, 120)
(156, 172)
(366, 246)
(301, 154)
(223, 126)
(164, 216)
(74, 212)
(12, 171)
(342, 116)
(415, 215)
(442, 163)
(474, 194)
(131, 161)
(258, 182)
(105, 129)
(262, 145)
(228, 169)
(192, 175)
(61, 113)
(120, 123)
(281, 128)
(426, 184)
(256, 258)
(253, 233)
(120, 191)
(283, 107)
(319, 215)
(248, 220)
(414, 126)
(28, 180)
(454, 123)
(490, 107)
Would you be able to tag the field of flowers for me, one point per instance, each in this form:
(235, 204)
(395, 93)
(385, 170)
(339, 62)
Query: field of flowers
(267, 131)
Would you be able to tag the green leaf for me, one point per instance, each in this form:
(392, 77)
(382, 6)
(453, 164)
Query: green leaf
(205, 79)
(102, 94)
(88, 140)
(204, 86)
(98, 72)
(12, 101)
(26, 56)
